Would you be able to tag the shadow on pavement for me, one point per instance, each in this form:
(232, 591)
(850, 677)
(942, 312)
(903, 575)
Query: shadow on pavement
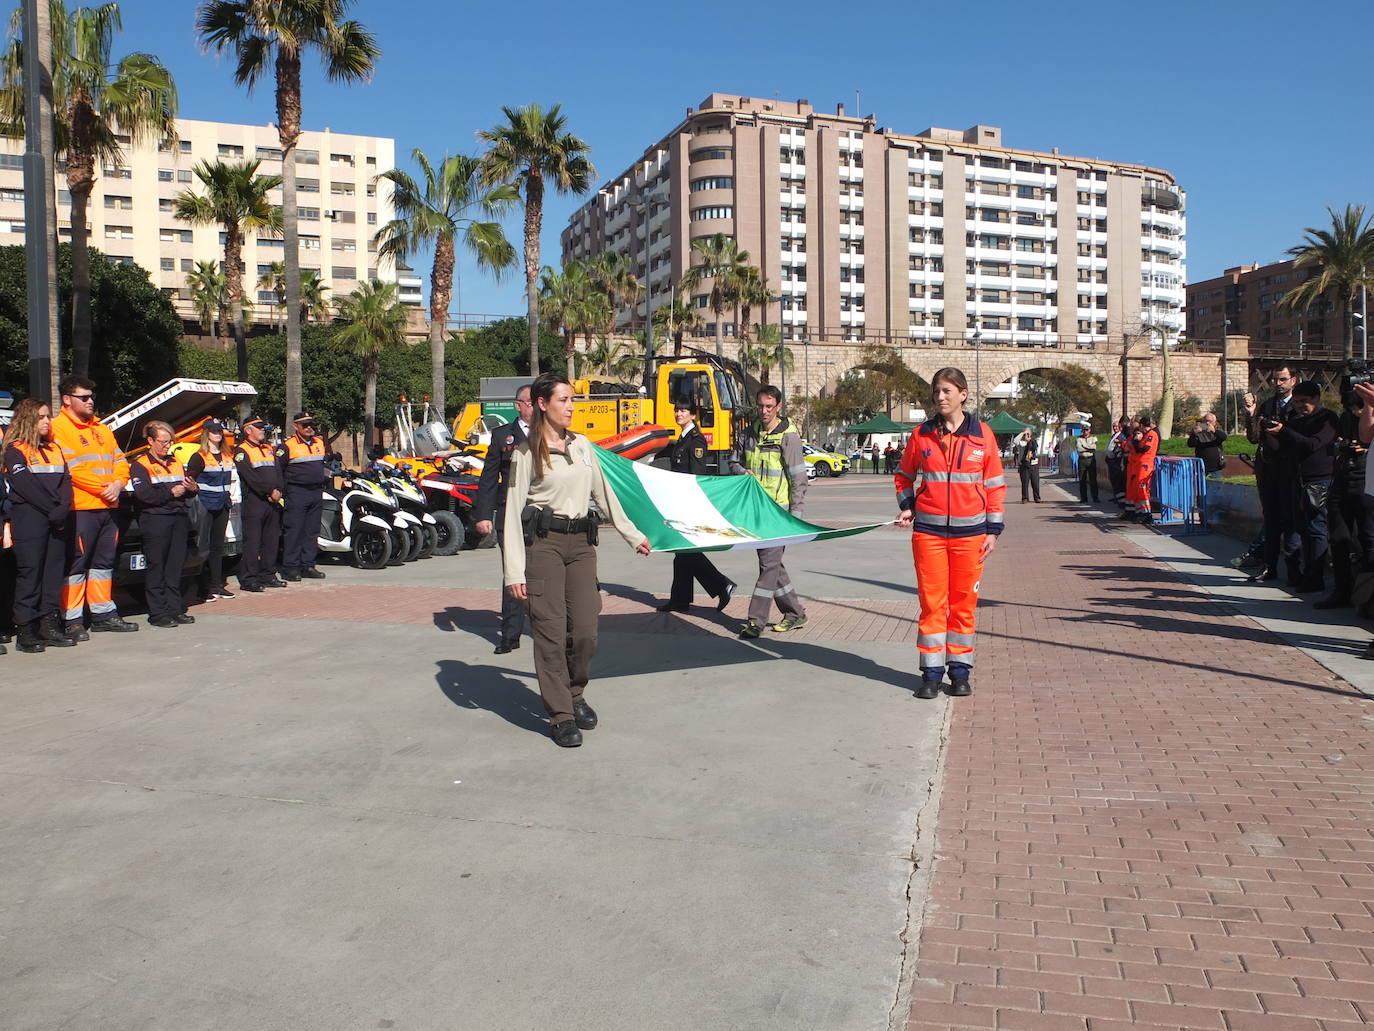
(456, 617)
(497, 691)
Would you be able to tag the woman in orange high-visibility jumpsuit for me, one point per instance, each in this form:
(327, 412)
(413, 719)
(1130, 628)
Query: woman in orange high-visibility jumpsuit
(1142, 450)
(950, 489)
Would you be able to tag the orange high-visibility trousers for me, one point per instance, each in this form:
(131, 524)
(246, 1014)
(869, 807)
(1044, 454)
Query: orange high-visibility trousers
(1138, 487)
(948, 570)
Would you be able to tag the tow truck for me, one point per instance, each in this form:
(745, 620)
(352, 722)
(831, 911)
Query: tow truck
(625, 419)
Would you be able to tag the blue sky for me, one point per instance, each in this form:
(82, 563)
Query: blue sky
(1260, 109)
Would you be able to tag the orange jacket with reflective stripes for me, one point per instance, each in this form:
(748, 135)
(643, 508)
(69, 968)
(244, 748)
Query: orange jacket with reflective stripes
(953, 482)
(302, 462)
(1142, 453)
(94, 459)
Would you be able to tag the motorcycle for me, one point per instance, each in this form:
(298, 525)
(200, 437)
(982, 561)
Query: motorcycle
(357, 519)
(421, 526)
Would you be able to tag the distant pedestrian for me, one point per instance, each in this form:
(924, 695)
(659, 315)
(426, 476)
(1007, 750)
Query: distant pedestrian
(1206, 441)
(1116, 460)
(1087, 465)
(873, 456)
(1025, 453)
(889, 459)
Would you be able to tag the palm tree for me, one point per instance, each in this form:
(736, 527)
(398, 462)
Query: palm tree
(613, 274)
(274, 279)
(1341, 259)
(235, 198)
(572, 303)
(751, 291)
(209, 296)
(314, 305)
(720, 260)
(95, 98)
(276, 34)
(533, 149)
(447, 200)
(373, 321)
(771, 351)
(678, 319)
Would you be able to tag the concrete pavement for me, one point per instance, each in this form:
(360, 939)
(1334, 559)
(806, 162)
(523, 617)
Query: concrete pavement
(280, 821)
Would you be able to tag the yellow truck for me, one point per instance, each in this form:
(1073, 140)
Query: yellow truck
(628, 420)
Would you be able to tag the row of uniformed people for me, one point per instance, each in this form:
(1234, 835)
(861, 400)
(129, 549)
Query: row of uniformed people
(63, 477)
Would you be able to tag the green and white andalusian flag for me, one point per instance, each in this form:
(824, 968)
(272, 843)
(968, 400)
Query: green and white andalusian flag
(706, 513)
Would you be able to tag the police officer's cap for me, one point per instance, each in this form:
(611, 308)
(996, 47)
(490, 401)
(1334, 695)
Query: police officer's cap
(255, 420)
(213, 426)
(303, 418)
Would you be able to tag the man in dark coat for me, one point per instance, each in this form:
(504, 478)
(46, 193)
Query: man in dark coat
(687, 454)
(490, 507)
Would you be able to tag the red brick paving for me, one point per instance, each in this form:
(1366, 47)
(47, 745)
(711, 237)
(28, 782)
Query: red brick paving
(1154, 814)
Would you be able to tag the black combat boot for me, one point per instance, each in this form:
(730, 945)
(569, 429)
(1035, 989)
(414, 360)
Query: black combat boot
(50, 632)
(28, 639)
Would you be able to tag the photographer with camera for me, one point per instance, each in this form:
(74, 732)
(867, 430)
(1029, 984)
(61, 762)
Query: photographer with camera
(1206, 441)
(1304, 445)
(1349, 510)
(1278, 493)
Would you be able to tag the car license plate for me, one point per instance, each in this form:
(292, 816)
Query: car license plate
(137, 561)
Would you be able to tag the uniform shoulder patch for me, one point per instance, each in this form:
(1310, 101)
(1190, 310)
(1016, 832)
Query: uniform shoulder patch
(281, 452)
(240, 456)
(698, 452)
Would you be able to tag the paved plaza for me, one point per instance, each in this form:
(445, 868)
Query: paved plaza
(333, 807)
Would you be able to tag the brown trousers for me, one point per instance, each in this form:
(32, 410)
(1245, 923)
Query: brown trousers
(560, 576)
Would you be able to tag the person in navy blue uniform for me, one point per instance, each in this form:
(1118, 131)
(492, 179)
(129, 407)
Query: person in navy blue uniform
(162, 490)
(687, 455)
(260, 481)
(38, 510)
(301, 458)
(489, 510)
(212, 467)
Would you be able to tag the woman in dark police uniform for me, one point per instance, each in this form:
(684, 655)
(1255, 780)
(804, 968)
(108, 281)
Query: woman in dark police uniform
(688, 455)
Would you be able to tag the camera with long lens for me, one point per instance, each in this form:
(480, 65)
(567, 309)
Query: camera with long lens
(1355, 372)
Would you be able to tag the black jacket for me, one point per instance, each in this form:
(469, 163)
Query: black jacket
(491, 491)
(1207, 446)
(1269, 408)
(1305, 444)
(688, 453)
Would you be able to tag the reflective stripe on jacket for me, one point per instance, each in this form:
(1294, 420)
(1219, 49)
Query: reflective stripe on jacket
(302, 462)
(38, 477)
(952, 481)
(214, 476)
(766, 461)
(153, 482)
(1143, 452)
(93, 458)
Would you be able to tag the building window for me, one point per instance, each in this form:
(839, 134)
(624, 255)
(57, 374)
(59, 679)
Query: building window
(712, 154)
(267, 153)
(342, 189)
(343, 245)
(230, 150)
(714, 182)
(166, 204)
(168, 264)
(372, 218)
(111, 201)
(187, 264)
(164, 175)
(307, 186)
(308, 214)
(310, 243)
(12, 195)
(713, 211)
(307, 157)
(183, 175)
(119, 232)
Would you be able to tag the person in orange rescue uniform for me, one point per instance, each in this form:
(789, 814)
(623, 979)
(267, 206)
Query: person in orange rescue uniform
(1140, 466)
(99, 473)
(950, 488)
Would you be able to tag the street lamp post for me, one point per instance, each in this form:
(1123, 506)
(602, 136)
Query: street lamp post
(978, 368)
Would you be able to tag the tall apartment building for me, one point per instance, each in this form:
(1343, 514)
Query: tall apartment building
(1248, 297)
(868, 234)
(131, 219)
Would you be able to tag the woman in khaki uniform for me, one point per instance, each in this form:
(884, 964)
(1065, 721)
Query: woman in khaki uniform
(551, 552)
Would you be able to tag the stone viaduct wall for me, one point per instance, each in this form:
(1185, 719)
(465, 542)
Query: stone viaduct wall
(1136, 376)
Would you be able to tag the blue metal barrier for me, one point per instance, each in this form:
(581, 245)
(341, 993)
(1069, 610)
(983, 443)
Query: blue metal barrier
(1180, 487)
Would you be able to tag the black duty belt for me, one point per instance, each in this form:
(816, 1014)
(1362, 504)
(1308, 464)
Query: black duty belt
(563, 524)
